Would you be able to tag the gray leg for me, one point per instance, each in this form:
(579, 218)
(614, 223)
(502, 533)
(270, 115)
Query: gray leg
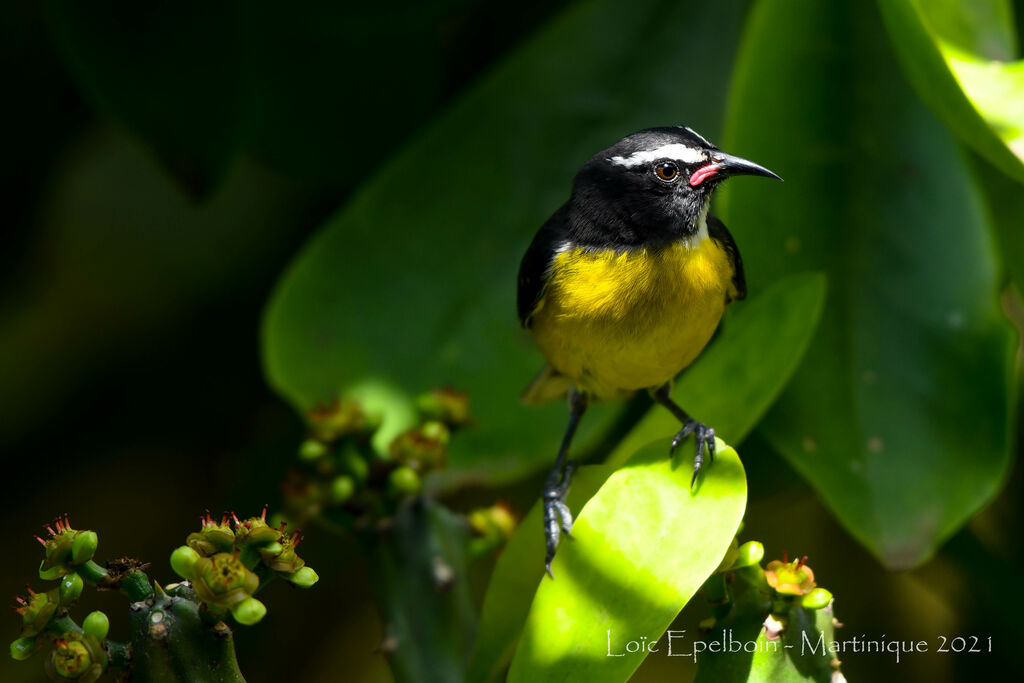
(557, 517)
(705, 434)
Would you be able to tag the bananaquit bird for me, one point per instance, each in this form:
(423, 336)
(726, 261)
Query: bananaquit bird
(624, 285)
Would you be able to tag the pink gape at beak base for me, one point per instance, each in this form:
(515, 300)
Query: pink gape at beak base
(703, 173)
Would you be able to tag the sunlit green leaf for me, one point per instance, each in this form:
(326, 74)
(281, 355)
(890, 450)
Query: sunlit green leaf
(413, 283)
(711, 390)
(514, 581)
(642, 547)
(899, 413)
(958, 57)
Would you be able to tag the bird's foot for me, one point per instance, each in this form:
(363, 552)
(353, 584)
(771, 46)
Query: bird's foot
(705, 439)
(557, 517)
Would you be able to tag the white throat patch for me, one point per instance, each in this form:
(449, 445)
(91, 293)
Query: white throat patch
(695, 240)
(675, 151)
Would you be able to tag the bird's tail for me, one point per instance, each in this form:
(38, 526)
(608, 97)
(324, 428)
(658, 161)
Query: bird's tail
(548, 385)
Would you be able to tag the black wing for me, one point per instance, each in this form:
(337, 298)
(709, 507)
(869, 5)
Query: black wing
(533, 270)
(719, 233)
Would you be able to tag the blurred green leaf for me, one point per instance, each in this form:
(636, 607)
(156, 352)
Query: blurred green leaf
(642, 547)
(413, 283)
(899, 413)
(515, 578)
(956, 55)
(172, 73)
(733, 382)
(1006, 207)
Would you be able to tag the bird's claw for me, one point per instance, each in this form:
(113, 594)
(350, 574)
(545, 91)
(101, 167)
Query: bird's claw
(705, 438)
(557, 516)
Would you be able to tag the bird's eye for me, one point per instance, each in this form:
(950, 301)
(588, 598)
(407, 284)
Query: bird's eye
(666, 170)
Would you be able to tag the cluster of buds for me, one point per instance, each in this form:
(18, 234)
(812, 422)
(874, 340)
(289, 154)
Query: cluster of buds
(778, 594)
(78, 656)
(78, 653)
(350, 476)
(68, 551)
(227, 562)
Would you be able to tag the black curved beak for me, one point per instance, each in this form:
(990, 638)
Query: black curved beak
(728, 165)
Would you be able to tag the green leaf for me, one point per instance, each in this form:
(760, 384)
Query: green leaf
(734, 381)
(514, 580)
(1006, 207)
(957, 58)
(899, 415)
(642, 547)
(413, 283)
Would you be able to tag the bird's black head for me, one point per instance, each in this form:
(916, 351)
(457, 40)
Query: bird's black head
(650, 188)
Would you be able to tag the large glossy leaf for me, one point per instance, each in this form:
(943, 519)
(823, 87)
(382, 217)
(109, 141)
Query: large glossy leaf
(515, 578)
(1006, 206)
(712, 391)
(957, 55)
(413, 283)
(642, 547)
(899, 414)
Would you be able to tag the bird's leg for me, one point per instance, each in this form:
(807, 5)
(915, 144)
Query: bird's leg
(705, 435)
(557, 517)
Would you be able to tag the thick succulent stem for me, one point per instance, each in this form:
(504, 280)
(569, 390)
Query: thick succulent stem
(418, 569)
(171, 642)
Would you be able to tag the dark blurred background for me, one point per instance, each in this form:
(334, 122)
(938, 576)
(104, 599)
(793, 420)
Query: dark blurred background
(143, 237)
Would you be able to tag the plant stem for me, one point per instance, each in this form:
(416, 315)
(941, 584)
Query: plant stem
(418, 571)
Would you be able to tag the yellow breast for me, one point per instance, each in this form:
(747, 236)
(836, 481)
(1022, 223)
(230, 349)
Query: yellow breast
(614, 322)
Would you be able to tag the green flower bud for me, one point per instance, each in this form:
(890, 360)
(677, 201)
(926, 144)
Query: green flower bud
(51, 574)
(341, 418)
(183, 561)
(222, 580)
(84, 546)
(213, 537)
(256, 531)
(444, 405)
(272, 549)
(342, 488)
(818, 598)
(23, 648)
(303, 578)
(248, 612)
(496, 522)
(70, 588)
(64, 548)
(96, 625)
(436, 431)
(312, 450)
(78, 657)
(282, 557)
(404, 481)
(423, 448)
(748, 554)
(37, 611)
(355, 465)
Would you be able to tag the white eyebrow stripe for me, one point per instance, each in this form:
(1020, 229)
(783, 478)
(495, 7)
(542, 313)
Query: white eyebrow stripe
(676, 151)
(697, 135)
